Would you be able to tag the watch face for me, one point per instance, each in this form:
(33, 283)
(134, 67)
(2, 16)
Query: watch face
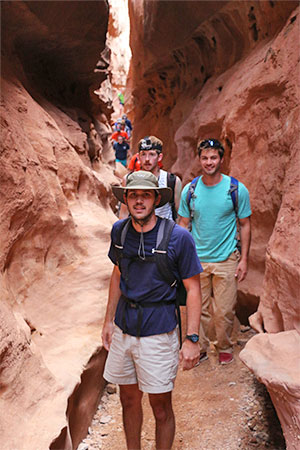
(193, 337)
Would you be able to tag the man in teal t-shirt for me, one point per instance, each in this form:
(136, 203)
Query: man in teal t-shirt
(214, 229)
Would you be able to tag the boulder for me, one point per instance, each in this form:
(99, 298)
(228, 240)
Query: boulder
(274, 361)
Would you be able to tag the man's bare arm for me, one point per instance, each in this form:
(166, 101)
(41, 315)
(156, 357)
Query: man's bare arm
(245, 231)
(114, 294)
(190, 352)
(184, 222)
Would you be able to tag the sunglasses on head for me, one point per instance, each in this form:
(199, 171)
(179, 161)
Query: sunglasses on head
(214, 143)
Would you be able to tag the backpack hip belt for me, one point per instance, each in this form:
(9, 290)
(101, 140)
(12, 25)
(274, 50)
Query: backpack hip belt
(129, 303)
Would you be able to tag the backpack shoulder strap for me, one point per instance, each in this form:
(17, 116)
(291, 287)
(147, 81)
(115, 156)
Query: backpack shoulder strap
(120, 239)
(164, 233)
(233, 190)
(191, 190)
(191, 196)
(171, 181)
(163, 237)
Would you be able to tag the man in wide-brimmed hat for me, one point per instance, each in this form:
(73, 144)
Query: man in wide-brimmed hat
(140, 328)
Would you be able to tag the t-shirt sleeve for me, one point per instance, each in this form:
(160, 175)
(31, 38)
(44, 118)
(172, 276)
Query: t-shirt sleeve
(183, 210)
(188, 263)
(244, 202)
(131, 163)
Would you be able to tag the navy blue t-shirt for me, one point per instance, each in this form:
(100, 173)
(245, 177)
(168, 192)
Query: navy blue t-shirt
(145, 282)
(121, 150)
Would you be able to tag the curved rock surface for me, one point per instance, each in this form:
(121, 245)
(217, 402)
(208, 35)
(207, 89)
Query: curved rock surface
(55, 221)
(230, 70)
(221, 68)
(272, 357)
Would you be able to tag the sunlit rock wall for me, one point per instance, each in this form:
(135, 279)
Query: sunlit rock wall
(226, 70)
(118, 43)
(55, 220)
(230, 70)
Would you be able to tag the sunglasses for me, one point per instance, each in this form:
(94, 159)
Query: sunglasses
(214, 143)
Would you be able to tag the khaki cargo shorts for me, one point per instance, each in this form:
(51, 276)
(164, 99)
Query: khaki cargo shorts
(150, 361)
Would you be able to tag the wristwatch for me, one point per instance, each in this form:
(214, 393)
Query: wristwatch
(193, 337)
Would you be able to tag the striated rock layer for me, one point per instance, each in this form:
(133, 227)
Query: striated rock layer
(230, 70)
(55, 221)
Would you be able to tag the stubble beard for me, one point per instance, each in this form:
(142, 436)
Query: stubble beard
(214, 172)
(145, 220)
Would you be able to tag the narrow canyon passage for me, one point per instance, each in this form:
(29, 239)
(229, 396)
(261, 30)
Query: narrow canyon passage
(216, 407)
(189, 70)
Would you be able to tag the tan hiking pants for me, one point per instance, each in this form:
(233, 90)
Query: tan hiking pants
(219, 295)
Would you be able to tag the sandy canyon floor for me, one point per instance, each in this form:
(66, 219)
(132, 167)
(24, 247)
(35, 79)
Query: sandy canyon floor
(216, 407)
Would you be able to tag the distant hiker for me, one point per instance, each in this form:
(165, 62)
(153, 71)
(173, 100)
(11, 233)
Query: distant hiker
(121, 149)
(117, 124)
(121, 101)
(122, 124)
(119, 132)
(124, 127)
(150, 157)
(140, 326)
(128, 124)
(213, 204)
(134, 163)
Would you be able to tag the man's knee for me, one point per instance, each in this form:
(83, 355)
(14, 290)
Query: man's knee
(161, 405)
(130, 395)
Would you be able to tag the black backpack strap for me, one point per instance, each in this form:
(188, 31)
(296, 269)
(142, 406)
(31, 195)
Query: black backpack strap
(139, 307)
(171, 181)
(162, 242)
(163, 237)
(120, 239)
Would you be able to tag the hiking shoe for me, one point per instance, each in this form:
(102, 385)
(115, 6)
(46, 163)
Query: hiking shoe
(203, 357)
(225, 358)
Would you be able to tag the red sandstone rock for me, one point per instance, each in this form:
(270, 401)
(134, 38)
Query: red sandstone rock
(274, 361)
(226, 69)
(229, 70)
(55, 222)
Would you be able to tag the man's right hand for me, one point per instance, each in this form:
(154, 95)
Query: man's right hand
(189, 355)
(107, 332)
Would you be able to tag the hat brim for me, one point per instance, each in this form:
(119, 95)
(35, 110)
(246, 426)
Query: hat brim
(166, 193)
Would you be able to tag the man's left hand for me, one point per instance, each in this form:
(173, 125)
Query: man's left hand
(189, 355)
(241, 270)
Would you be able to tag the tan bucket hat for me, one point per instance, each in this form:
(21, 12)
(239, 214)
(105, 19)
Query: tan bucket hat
(143, 180)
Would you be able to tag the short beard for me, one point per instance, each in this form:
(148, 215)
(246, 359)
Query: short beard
(142, 222)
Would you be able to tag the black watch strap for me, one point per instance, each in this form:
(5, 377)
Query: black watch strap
(193, 337)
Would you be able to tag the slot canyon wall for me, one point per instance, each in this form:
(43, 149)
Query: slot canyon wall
(199, 69)
(55, 219)
(230, 70)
